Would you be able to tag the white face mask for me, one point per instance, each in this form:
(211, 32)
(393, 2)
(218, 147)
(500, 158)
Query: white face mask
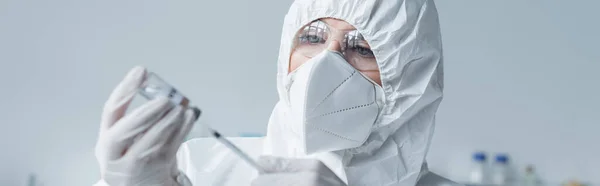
(332, 105)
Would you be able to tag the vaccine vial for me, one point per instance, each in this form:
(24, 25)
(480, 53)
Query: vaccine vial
(154, 86)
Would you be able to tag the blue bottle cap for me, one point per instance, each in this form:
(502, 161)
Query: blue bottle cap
(501, 158)
(479, 156)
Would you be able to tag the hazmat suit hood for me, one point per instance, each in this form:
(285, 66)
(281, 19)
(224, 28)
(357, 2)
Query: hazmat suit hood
(404, 36)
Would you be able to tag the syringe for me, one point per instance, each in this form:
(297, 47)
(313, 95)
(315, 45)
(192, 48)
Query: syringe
(237, 151)
(155, 86)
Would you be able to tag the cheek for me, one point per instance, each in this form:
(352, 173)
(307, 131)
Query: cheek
(296, 60)
(374, 75)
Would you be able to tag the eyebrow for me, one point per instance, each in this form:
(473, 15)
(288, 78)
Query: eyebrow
(318, 24)
(350, 28)
(362, 43)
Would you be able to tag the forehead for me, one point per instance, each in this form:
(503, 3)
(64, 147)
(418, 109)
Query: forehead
(338, 24)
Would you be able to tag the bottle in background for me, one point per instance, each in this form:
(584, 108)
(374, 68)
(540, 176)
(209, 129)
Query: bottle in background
(500, 170)
(479, 169)
(530, 178)
(31, 181)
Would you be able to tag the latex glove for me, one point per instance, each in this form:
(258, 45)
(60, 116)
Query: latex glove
(139, 148)
(295, 172)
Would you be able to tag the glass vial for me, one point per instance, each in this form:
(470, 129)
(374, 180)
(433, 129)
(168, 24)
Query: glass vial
(154, 86)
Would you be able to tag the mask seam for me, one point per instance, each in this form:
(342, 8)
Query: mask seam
(342, 110)
(334, 134)
(331, 93)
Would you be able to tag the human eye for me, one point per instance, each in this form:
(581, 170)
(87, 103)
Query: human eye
(313, 33)
(362, 50)
(311, 38)
(357, 44)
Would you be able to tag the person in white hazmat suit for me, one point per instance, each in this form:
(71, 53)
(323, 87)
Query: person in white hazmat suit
(359, 83)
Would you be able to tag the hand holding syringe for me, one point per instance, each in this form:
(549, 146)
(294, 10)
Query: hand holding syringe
(154, 87)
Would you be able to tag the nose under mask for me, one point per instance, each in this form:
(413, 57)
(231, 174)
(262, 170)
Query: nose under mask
(331, 105)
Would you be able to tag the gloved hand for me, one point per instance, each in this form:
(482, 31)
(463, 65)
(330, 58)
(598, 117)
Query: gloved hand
(295, 172)
(139, 148)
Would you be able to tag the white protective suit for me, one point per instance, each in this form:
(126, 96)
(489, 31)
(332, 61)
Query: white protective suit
(404, 36)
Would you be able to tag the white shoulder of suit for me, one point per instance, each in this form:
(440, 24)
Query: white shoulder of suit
(206, 162)
(209, 156)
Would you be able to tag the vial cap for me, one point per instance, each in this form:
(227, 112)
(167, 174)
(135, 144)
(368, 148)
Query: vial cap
(479, 156)
(502, 158)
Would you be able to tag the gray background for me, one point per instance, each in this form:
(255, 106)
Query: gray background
(521, 77)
